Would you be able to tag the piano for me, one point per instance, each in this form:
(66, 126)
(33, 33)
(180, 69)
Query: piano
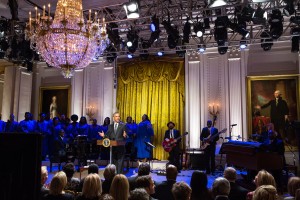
(251, 155)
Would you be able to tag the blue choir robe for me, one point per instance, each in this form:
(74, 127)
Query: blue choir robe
(11, 127)
(103, 128)
(72, 131)
(27, 126)
(2, 126)
(93, 133)
(131, 131)
(144, 133)
(83, 129)
(44, 128)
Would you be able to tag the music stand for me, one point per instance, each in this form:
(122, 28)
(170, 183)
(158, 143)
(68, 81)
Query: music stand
(148, 144)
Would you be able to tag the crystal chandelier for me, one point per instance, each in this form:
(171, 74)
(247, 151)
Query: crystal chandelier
(66, 42)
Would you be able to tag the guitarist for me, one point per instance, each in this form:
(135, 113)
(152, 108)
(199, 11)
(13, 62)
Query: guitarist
(174, 154)
(209, 151)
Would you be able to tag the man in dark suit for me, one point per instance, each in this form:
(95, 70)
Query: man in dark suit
(207, 137)
(164, 189)
(174, 154)
(143, 170)
(279, 112)
(236, 192)
(117, 131)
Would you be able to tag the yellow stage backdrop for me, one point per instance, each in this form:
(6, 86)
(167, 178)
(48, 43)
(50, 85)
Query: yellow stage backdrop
(155, 88)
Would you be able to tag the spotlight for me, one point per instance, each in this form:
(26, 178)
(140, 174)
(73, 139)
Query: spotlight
(160, 52)
(217, 3)
(132, 41)
(243, 43)
(173, 33)
(295, 32)
(266, 40)
(110, 53)
(154, 26)
(259, 15)
(240, 28)
(186, 31)
(295, 19)
(199, 29)
(132, 9)
(289, 9)
(113, 33)
(220, 33)
(276, 28)
(129, 55)
(246, 14)
(201, 48)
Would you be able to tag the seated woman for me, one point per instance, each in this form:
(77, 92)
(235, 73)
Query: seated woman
(293, 186)
(199, 186)
(119, 187)
(91, 188)
(56, 189)
(266, 192)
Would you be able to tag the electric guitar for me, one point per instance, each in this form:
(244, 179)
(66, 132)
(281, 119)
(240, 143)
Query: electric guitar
(169, 143)
(210, 138)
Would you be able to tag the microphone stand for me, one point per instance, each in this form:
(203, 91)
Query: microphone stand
(291, 150)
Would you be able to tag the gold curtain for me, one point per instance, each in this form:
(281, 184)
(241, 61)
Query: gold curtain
(154, 88)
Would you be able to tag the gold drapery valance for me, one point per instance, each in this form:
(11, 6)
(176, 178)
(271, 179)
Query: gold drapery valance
(155, 88)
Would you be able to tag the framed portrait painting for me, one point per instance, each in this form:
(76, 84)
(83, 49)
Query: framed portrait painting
(55, 100)
(273, 99)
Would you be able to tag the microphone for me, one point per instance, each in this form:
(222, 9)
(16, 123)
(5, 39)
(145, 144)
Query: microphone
(233, 124)
(149, 144)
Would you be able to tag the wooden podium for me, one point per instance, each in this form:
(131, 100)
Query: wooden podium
(113, 143)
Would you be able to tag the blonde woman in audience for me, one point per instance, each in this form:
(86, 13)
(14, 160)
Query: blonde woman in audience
(44, 177)
(265, 192)
(119, 187)
(262, 178)
(56, 190)
(92, 188)
(293, 186)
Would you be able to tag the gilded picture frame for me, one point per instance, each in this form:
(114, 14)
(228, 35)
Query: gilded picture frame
(55, 100)
(260, 90)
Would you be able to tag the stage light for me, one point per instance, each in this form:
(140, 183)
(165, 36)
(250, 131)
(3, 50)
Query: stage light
(132, 41)
(289, 8)
(220, 34)
(295, 32)
(266, 40)
(199, 29)
(201, 48)
(217, 3)
(154, 26)
(129, 55)
(132, 9)
(276, 24)
(259, 15)
(295, 19)
(240, 28)
(186, 31)
(113, 33)
(160, 53)
(173, 33)
(243, 43)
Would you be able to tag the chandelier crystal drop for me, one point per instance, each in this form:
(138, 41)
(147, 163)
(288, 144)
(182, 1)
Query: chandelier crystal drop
(66, 42)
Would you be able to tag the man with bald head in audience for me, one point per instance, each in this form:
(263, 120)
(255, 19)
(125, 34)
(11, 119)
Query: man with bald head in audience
(236, 192)
(164, 189)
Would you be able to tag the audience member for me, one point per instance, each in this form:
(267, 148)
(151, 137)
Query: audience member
(44, 177)
(147, 183)
(164, 189)
(106, 197)
(144, 169)
(293, 186)
(138, 194)
(262, 178)
(91, 188)
(181, 191)
(109, 173)
(119, 187)
(92, 169)
(236, 192)
(199, 186)
(221, 189)
(57, 185)
(265, 192)
(73, 183)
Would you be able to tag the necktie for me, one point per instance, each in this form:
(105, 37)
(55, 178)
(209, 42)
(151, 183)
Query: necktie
(116, 126)
(276, 101)
(172, 134)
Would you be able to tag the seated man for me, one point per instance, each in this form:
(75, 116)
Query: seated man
(147, 183)
(181, 191)
(236, 192)
(221, 189)
(144, 169)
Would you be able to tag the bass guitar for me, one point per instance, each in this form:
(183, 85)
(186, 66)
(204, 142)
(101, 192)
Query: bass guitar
(210, 138)
(169, 143)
